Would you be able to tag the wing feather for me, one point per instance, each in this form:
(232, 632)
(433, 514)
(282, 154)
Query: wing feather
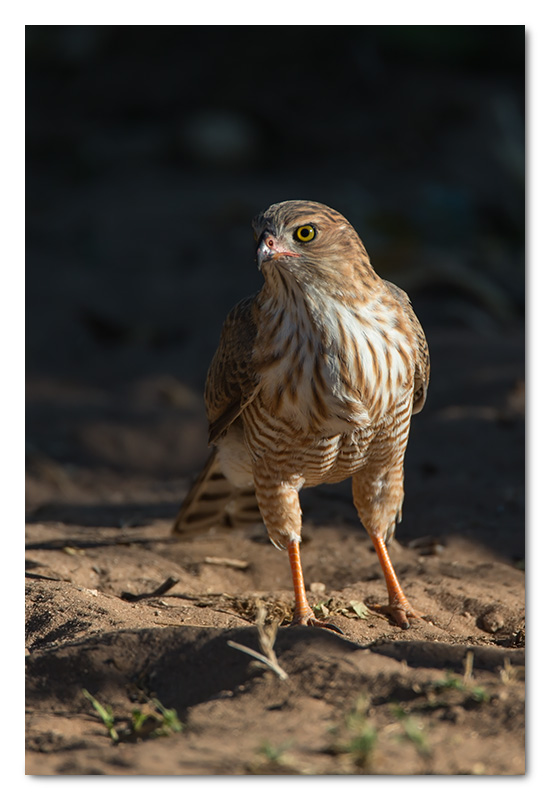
(232, 383)
(422, 362)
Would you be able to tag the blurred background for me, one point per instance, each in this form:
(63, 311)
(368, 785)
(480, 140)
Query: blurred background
(149, 150)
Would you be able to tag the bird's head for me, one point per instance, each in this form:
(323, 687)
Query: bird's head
(312, 242)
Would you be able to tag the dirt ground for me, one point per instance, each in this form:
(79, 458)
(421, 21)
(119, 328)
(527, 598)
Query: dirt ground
(372, 700)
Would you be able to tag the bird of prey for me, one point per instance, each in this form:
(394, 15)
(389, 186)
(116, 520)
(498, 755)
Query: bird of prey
(314, 380)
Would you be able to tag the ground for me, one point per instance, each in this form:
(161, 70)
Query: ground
(374, 699)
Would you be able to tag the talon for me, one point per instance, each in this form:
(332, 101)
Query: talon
(312, 621)
(329, 626)
(399, 613)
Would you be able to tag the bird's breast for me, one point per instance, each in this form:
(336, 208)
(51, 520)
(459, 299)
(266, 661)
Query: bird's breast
(335, 369)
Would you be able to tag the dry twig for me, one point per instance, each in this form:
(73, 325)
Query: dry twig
(266, 636)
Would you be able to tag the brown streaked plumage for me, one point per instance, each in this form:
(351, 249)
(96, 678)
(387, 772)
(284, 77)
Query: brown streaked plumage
(314, 381)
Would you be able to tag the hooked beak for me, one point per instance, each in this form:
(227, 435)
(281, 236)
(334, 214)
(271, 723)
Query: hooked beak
(269, 250)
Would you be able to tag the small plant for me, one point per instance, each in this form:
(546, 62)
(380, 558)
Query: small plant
(171, 723)
(464, 684)
(272, 759)
(359, 737)
(143, 724)
(510, 673)
(450, 681)
(139, 718)
(412, 730)
(105, 713)
(273, 753)
(361, 746)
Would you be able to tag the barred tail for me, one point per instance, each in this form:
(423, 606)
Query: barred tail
(213, 500)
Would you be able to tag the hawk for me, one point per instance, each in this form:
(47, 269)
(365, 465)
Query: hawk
(314, 381)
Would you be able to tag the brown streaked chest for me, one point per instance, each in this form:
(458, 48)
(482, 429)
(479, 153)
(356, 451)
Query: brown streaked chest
(332, 366)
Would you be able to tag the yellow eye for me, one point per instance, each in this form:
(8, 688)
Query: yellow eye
(305, 233)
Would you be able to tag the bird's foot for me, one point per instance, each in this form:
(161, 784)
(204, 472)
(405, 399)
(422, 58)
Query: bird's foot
(309, 619)
(399, 612)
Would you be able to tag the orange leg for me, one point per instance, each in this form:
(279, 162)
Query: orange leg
(303, 614)
(399, 607)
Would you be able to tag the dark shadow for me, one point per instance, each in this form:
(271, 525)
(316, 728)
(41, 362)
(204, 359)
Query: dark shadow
(190, 665)
(123, 515)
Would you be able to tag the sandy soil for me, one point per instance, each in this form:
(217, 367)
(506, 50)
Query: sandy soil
(373, 700)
